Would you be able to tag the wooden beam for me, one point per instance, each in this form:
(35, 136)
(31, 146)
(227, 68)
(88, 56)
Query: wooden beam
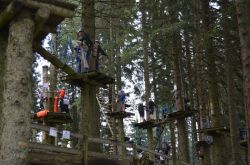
(59, 11)
(53, 59)
(41, 17)
(51, 148)
(9, 12)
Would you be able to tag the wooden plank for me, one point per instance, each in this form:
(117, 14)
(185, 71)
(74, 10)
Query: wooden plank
(213, 130)
(10, 11)
(90, 78)
(67, 5)
(180, 114)
(150, 124)
(53, 60)
(106, 156)
(119, 114)
(59, 11)
(46, 128)
(51, 148)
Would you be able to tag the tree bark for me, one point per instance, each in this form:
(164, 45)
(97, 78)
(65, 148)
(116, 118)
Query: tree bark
(183, 149)
(145, 56)
(243, 12)
(216, 117)
(231, 92)
(17, 93)
(3, 45)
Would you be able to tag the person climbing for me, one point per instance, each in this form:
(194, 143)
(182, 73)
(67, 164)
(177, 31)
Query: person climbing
(165, 112)
(187, 104)
(141, 111)
(97, 52)
(151, 107)
(121, 99)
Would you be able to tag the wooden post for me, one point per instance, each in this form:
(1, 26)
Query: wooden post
(85, 150)
(41, 17)
(45, 78)
(150, 142)
(121, 135)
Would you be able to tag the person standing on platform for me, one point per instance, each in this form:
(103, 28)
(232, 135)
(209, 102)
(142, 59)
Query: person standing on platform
(164, 112)
(141, 112)
(121, 99)
(61, 94)
(151, 108)
(65, 105)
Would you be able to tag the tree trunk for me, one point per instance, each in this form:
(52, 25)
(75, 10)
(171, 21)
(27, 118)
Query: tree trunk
(88, 24)
(183, 149)
(243, 12)
(173, 142)
(146, 75)
(145, 56)
(3, 45)
(17, 93)
(231, 92)
(216, 117)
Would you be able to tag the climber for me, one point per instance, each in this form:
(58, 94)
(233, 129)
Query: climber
(77, 48)
(121, 99)
(151, 107)
(87, 46)
(82, 57)
(97, 52)
(187, 104)
(64, 106)
(61, 95)
(165, 112)
(141, 111)
(84, 37)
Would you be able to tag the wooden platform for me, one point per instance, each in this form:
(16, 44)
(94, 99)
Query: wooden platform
(95, 78)
(56, 118)
(150, 124)
(180, 114)
(42, 154)
(201, 143)
(52, 13)
(213, 130)
(120, 114)
(243, 143)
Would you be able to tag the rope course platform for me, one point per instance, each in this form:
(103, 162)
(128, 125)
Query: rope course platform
(181, 114)
(150, 124)
(213, 130)
(94, 77)
(201, 143)
(243, 143)
(47, 14)
(120, 114)
(56, 118)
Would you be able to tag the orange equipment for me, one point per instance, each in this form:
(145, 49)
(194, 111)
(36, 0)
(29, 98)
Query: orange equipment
(42, 113)
(56, 104)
